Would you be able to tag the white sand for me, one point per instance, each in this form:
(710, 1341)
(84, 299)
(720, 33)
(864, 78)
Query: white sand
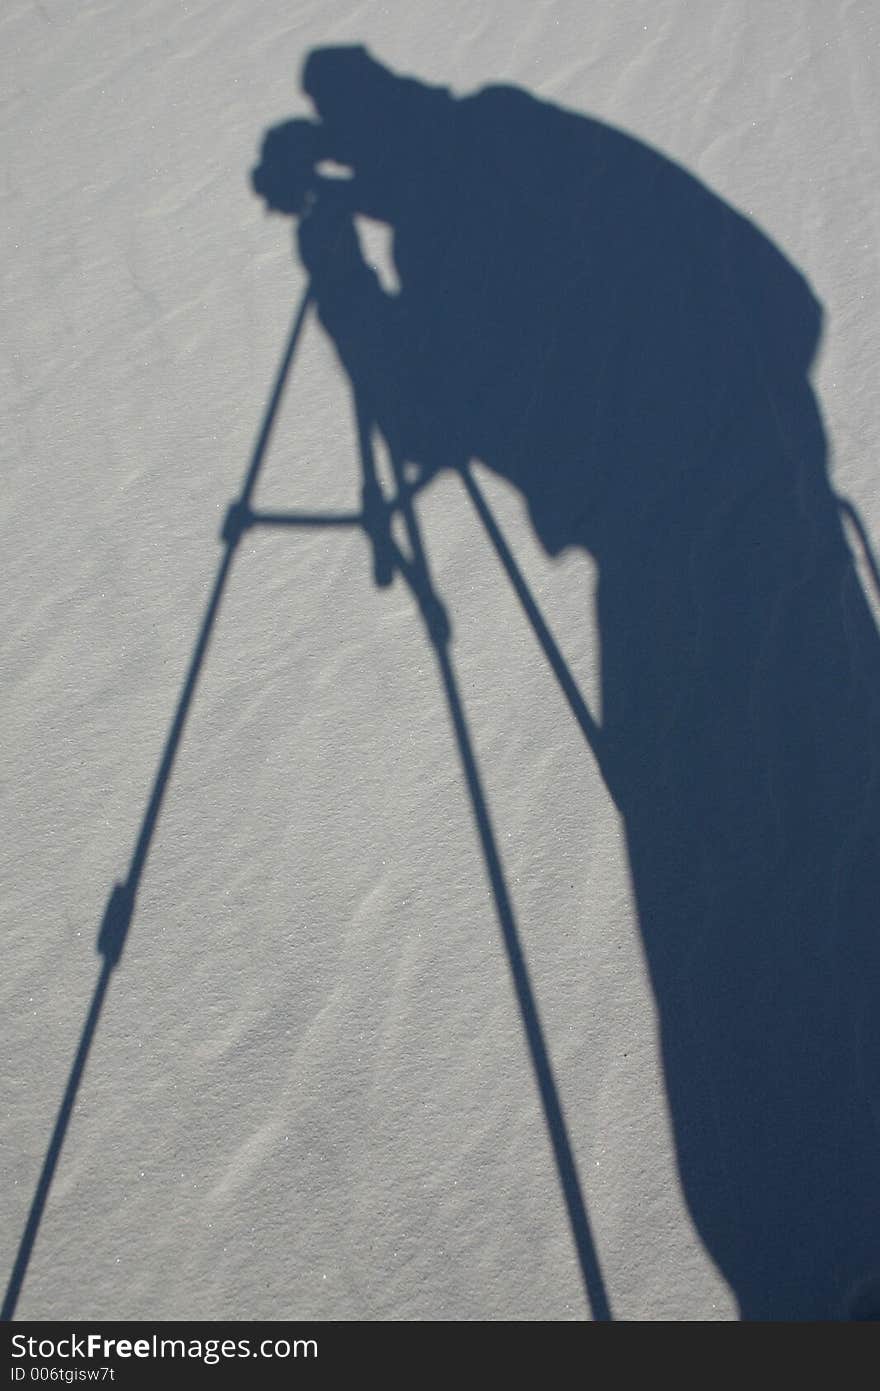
(309, 1094)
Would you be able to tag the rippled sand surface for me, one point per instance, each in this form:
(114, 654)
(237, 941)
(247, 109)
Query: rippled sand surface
(310, 1093)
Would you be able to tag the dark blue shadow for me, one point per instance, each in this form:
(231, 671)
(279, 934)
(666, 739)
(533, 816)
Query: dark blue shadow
(596, 326)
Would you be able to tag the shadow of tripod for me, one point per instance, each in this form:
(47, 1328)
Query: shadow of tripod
(388, 559)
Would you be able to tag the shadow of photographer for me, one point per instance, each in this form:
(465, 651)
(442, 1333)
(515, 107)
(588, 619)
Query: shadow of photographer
(596, 326)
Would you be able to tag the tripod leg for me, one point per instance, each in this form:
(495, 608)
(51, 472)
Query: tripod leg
(578, 706)
(120, 906)
(375, 516)
(419, 578)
